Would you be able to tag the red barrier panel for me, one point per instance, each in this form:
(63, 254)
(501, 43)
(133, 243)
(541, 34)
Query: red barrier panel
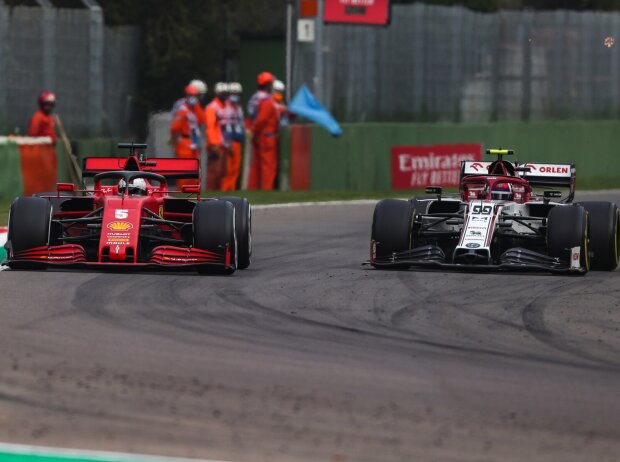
(300, 157)
(39, 167)
(415, 167)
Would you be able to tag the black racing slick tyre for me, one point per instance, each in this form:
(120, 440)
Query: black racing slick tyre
(567, 227)
(29, 224)
(243, 226)
(214, 228)
(604, 218)
(391, 227)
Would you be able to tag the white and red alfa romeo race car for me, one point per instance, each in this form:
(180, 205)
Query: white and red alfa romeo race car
(499, 222)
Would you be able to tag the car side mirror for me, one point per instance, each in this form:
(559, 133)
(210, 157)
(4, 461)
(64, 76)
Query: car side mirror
(434, 190)
(65, 187)
(191, 188)
(552, 194)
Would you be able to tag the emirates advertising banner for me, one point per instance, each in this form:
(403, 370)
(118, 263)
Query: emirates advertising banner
(415, 167)
(373, 12)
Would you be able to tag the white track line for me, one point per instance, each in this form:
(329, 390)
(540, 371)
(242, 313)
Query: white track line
(45, 451)
(374, 201)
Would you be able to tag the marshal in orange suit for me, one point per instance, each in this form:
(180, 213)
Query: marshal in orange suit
(265, 120)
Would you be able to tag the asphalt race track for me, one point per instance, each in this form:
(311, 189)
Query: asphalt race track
(309, 356)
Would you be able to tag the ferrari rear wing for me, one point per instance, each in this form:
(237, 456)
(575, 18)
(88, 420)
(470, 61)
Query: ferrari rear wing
(173, 168)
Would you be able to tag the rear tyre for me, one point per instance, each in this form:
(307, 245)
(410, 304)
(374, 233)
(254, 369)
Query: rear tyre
(29, 225)
(604, 234)
(243, 227)
(567, 227)
(214, 228)
(391, 227)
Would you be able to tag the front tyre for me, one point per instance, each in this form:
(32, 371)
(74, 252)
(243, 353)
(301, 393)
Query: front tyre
(567, 227)
(29, 226)
(243, 225)
(604, 218)
(214, 229)
(392, 223)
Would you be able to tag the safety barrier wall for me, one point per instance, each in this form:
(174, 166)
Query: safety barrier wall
(28, 167)
(360, 159)
(11, 183)
(92, 147)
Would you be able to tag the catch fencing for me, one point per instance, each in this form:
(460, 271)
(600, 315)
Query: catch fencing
(91, 68)
(435, 63)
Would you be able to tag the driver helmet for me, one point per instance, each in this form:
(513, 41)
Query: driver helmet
(137, 187)
(502, 192)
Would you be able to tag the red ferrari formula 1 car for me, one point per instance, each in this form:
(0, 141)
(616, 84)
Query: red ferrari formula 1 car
(499, 222)
(130, 219)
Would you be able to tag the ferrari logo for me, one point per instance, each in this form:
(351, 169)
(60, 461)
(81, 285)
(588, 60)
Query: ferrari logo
(120, 226)
(161, 211)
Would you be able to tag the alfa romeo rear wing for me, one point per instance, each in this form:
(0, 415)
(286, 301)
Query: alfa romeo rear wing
(172, 168)
(540, 175)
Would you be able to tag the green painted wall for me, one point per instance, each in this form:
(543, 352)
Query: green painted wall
(11, 184)
(360, 159)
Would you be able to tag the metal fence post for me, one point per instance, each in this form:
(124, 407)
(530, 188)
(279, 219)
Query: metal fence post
(318, 43)
(615, 75)
(96, 45)
(4, 26)
(48, 29)
(526, 76)
(495, 69)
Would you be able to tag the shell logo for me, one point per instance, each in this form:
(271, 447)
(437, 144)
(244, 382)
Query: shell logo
(119, 226)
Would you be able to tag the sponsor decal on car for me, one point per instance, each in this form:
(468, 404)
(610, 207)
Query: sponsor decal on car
(472, 245)
(120, 226)
(118, 240)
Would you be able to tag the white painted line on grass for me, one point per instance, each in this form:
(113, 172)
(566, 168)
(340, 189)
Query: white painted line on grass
(287, 205)
(104, 456)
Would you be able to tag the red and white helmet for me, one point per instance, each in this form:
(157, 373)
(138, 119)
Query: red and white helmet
(47, 97)
(192, 90)
(200, 85)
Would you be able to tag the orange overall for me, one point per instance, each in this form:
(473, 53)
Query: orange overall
(42, 124)
(235, 130)
(185, 132)
(264, 166)
(217, 149)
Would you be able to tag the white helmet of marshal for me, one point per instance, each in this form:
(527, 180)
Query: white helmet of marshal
(221, 87)
(235, 88)
(278, 85)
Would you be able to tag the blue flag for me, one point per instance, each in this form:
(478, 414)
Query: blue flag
(306, 105)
